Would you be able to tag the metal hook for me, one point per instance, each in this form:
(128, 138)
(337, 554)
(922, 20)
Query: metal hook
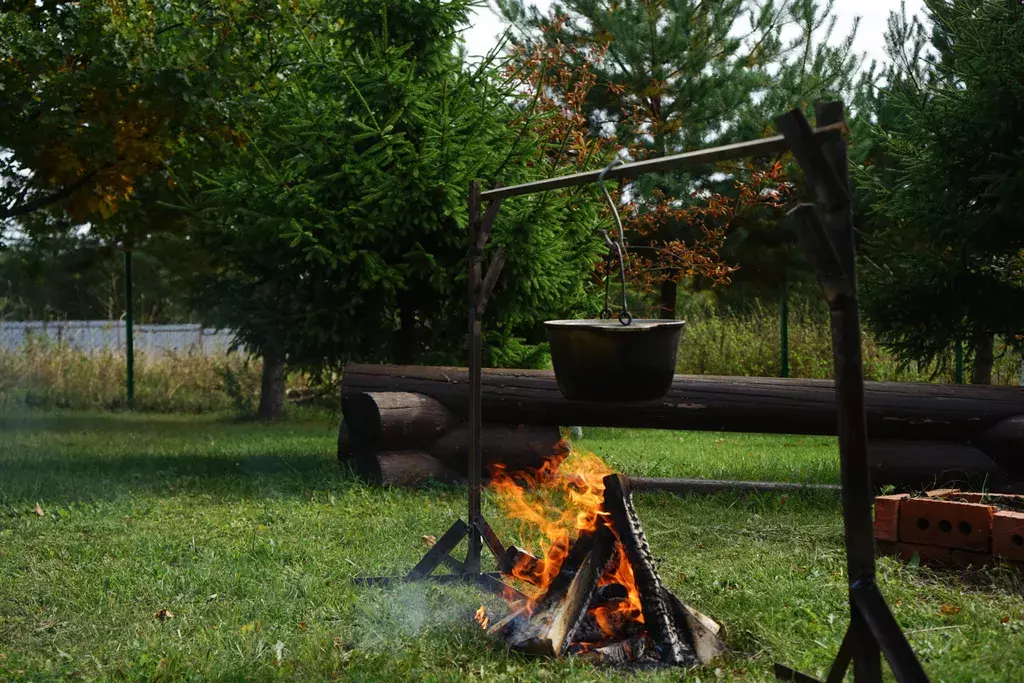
(617, 246)
(615, 212)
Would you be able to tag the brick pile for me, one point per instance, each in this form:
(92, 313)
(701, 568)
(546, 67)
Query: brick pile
(951, 527)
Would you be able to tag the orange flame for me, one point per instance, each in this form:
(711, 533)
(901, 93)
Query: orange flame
(481, 617)
(554, 505)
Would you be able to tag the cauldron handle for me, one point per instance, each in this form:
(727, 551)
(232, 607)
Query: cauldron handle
(618, 247)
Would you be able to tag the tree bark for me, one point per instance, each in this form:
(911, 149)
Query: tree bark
(405, 351)
(669, 290)
(403, 468)
(984, 359)
(918, 411)
(522, 447)
(272, 386)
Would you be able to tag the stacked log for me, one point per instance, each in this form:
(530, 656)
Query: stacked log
(403, 439)
(921, 434)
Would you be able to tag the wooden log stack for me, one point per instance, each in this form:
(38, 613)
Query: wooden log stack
(403, 438)
(922, 435)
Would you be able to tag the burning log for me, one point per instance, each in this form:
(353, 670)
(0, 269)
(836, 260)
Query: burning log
(618, 504)
(515, 447)
(701, 631)
(561, 610)
(624, 651)
(403, 468)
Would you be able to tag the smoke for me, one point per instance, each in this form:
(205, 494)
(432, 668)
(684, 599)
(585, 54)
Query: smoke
(388, 618)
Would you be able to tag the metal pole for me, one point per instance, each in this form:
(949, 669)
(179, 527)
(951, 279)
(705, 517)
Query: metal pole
(475, 393)
(855, 471)
(129, 341)
(784, 327)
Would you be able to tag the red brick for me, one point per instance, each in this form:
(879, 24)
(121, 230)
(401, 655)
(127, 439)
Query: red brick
(928, 521)
(887, 516)
(1008, 535)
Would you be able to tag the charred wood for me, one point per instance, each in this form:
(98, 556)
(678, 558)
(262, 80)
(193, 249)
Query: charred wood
(561, 610)
(699, 630)
(661, 627)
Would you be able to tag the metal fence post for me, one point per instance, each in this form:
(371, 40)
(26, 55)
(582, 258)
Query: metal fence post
(784, 330)
(129, 345)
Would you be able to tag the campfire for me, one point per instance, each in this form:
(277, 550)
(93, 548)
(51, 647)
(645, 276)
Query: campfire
(590, 583)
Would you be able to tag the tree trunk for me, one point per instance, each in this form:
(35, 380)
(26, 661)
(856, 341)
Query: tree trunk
(669, 289)
(272, 386)
(983, 359)
(405, 351)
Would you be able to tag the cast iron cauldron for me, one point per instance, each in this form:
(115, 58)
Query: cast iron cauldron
(604, 360)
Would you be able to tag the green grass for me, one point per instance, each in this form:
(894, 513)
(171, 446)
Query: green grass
(251, 535)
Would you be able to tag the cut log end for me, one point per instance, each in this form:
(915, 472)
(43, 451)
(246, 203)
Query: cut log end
(394, 420)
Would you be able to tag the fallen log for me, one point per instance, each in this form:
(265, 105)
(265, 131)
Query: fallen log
(344, 447)
(393, 421)
(1004, 443)
(515, 447)
(658, 618)
(916, 465)
(712, 486)
(895, 410)
(402, 468)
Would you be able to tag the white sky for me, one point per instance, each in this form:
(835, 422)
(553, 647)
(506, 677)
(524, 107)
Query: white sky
(874, 17)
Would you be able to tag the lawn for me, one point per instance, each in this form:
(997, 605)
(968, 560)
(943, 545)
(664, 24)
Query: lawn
(250, 535)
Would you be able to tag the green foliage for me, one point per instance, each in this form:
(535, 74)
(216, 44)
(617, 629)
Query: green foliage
(746, 342)
(63, 275)
(104, 95)
(949, 263)
(338, 229)
(680, 76)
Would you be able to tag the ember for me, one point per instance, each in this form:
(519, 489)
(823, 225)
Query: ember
(591, 584)
(481, 617)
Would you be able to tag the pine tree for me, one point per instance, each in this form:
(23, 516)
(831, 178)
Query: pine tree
(682, 75)
(948, 265)
(338, 229)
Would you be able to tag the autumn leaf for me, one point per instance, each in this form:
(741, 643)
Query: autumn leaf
(163, 614)
(250, 627)
(949, 610)
(429, 540)
(38, 509)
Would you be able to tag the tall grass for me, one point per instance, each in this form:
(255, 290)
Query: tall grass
(749, 344)
(46, 375)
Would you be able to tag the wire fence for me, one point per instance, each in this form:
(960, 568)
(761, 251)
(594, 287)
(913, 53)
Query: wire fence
(93, 336)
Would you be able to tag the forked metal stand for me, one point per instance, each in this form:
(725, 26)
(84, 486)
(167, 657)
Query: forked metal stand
(827, 233)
